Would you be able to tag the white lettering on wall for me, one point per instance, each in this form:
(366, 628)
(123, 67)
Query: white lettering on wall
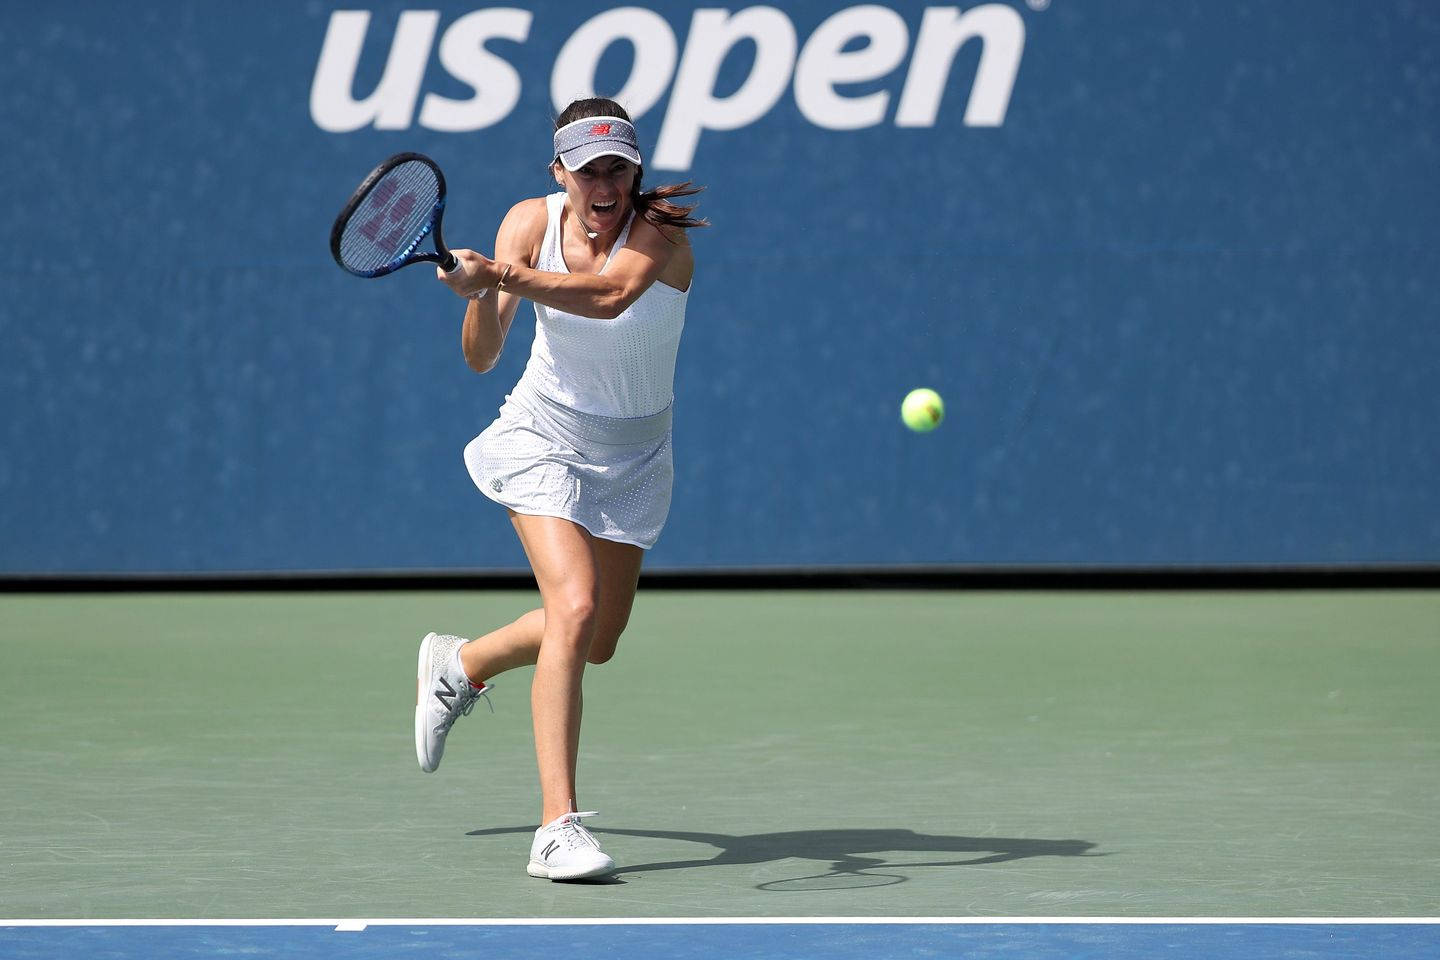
(822, 66)
(392, 103)
(655, 54)
(943, 30)
(495, 82)
(693, 104)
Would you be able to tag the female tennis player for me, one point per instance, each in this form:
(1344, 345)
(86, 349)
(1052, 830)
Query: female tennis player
(580, 454)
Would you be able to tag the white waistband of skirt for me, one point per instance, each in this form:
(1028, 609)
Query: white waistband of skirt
(593, 427)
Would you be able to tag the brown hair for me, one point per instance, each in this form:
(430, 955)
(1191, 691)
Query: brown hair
(654, 205)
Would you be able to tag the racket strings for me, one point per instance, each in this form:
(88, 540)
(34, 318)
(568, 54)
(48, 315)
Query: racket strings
(392, 219)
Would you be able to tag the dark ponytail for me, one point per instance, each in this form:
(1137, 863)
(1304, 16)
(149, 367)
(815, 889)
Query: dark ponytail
(654, 205)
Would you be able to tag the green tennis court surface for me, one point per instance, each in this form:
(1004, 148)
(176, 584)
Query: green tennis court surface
(767, 754)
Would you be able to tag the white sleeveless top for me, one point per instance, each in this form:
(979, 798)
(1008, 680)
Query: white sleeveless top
(623, 367)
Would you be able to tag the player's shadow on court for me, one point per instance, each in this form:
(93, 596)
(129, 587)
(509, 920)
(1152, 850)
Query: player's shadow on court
(850, 854)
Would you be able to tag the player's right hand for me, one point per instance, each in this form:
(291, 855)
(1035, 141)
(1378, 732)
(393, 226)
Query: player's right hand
(473, 272)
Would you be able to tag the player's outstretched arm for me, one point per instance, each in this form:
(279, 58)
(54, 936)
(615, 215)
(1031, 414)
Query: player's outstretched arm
(603, 296)
(488, 319)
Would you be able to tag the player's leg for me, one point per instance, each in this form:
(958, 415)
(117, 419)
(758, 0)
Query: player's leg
(619, 565)
(443, 697)
(517, 644)
(562, 555)
(619, 570)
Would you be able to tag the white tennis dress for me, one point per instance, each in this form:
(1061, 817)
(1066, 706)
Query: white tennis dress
(585, 433)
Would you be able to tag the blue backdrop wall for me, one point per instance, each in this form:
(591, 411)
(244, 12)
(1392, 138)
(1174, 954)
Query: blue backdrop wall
(1172, 265)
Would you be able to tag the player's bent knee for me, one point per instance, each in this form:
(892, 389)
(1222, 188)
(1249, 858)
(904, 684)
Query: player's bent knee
(602, 648)
(576, 612)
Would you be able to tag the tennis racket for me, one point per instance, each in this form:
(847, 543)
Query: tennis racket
(397, 206)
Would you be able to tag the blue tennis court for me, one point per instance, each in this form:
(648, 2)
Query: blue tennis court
(837, 939)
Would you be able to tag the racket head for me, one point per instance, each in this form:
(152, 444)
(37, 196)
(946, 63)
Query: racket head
(385, 220)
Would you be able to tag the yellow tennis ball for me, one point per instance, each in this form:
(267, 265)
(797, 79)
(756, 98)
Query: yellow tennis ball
(922, 410)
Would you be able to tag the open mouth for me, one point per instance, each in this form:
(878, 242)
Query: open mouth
(604, 207)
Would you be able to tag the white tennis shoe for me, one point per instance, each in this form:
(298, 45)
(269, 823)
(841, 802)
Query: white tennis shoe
(565, 850)
(443, 694)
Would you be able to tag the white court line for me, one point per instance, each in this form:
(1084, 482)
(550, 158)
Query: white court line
(350, 924)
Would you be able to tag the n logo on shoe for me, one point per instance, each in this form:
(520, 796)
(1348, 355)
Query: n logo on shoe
(448, 697)
(549, 848)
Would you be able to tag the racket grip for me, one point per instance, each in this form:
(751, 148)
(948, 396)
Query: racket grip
(449, 264)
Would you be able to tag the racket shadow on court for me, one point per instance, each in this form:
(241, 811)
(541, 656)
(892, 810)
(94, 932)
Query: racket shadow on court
(856, 858)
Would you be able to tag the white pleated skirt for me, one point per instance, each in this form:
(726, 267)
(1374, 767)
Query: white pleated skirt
(613, 476)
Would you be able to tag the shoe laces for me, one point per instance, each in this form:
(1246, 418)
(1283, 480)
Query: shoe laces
(573, 832)
(464, 703)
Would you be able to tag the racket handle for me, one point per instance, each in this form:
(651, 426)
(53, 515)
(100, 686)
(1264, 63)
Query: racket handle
(449, 264)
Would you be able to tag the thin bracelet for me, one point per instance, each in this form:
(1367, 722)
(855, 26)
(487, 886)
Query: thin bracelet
(500, 284)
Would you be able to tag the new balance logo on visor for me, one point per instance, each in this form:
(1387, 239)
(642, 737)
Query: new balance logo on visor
(600, 130)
